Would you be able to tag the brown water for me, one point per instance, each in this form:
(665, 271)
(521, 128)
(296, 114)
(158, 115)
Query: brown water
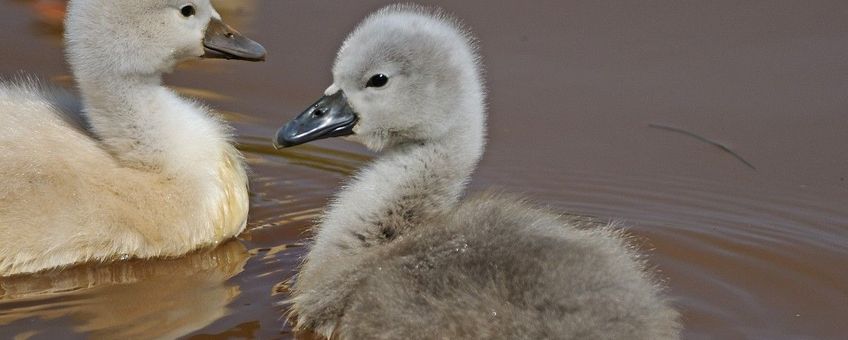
(574, 85)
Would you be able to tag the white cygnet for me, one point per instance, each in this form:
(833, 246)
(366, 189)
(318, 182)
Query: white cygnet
(400, 254)
(141, 172)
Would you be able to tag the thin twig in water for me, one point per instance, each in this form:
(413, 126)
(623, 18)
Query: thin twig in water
(705, 140)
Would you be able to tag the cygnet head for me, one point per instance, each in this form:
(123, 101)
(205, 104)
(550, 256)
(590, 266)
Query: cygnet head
(149, 37)
(405, 75)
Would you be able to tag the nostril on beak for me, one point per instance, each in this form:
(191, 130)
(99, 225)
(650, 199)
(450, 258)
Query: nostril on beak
(229, 35)
(317, 113)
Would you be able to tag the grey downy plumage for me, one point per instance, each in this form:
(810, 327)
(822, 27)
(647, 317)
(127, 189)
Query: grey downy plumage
(400, 254)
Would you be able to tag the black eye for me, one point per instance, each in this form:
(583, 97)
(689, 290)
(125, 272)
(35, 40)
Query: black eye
(187, 10)
(378, 80)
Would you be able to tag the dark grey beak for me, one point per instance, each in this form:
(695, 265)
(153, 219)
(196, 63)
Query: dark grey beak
(330, 116)
(224, 42)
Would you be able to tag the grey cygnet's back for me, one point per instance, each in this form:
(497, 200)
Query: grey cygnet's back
(497, 268)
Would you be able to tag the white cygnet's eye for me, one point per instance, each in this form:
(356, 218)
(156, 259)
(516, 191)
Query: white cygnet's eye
(187, 10)
(378, 80)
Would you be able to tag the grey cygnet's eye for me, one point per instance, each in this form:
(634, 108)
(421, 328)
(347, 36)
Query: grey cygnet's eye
(378, 80)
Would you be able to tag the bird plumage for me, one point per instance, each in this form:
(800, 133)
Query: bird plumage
(402, 254)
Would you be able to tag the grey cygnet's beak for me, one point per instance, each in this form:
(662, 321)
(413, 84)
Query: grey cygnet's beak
(224, 42)
(330, 116)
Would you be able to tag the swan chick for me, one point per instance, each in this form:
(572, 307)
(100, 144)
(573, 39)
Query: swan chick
(399, 254)
(140, 172)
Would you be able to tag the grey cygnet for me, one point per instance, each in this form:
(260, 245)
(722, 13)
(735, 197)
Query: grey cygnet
(401, 254)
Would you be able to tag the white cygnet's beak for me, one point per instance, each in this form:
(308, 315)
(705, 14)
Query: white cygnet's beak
(224, 42)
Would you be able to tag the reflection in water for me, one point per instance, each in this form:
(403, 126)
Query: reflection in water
(341, 162)
(131, 299)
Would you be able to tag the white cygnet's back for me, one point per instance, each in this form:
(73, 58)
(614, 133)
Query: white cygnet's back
(140, 172)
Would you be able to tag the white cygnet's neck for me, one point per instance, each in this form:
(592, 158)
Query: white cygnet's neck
(146, 126)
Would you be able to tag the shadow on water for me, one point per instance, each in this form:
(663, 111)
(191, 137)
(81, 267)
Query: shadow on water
(745, 254)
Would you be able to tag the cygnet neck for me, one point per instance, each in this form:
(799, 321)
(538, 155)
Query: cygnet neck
(438, 167)
(408, 184)
(145, 125)
(115, 95)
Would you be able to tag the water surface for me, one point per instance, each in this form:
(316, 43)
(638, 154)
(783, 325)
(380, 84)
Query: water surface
(746, 253)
